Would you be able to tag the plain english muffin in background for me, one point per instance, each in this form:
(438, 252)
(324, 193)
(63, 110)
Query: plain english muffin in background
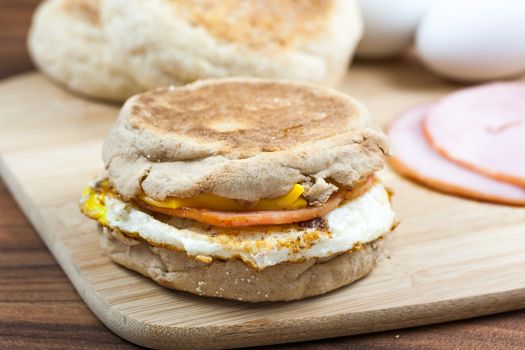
(67, 42)
(113, 49)
(175, 42)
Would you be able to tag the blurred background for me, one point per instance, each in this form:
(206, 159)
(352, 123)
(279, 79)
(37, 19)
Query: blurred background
(492, 32)
(15, 18)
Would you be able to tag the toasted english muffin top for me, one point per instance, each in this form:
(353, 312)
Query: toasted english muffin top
(240, 138)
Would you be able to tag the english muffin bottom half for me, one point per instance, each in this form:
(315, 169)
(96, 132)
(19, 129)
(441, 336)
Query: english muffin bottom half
(246, 189)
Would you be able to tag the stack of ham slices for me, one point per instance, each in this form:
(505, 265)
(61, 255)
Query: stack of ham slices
(470, 143)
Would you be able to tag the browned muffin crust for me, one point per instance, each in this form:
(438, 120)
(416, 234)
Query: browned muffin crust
(258, 23)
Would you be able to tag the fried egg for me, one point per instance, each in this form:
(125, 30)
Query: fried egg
(355, 222)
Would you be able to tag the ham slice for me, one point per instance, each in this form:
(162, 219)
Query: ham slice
(483, 128)
(261, 217)
(416, 159)
(251, 218)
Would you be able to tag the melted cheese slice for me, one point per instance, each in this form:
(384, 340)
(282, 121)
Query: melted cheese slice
(291, 200)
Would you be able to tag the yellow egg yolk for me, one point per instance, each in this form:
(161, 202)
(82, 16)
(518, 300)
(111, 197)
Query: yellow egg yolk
(93, 204)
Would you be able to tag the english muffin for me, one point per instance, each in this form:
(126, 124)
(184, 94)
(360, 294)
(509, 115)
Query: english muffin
(177, 42)
(234, 187)
(67, 42)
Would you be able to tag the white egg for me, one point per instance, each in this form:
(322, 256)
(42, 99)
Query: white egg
(361, 220)
(389, 26)
(474, 40)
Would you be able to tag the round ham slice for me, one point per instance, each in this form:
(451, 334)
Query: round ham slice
(482, 128)
(416, 159)
(252, 218)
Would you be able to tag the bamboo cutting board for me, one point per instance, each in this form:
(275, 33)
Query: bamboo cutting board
(452, 258)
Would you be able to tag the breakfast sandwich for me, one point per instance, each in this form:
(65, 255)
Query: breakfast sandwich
(246, 189)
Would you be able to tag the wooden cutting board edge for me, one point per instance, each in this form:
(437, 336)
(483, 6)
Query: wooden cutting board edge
(258, 333)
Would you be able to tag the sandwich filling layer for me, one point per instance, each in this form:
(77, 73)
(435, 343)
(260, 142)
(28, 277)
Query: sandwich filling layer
(355, 222)
(273, 211)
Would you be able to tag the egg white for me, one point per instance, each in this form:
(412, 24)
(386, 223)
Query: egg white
(361, 220)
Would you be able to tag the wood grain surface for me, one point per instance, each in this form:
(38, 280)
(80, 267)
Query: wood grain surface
(40, 309)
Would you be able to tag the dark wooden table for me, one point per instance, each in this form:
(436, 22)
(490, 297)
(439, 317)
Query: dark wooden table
(40, 309)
